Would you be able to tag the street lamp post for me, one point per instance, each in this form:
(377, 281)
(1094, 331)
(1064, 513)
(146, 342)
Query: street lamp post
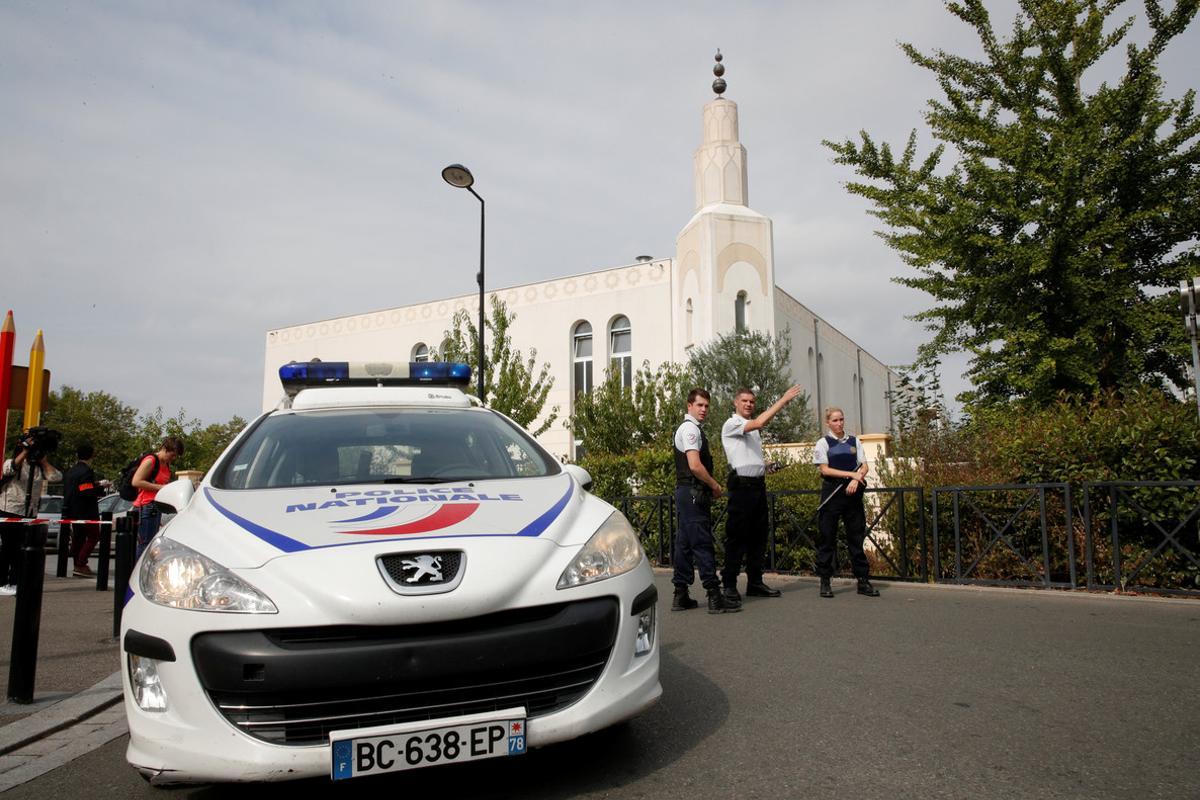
(460, 176)
(1190, 302)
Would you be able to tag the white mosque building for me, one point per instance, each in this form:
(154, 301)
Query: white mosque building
(721, 279)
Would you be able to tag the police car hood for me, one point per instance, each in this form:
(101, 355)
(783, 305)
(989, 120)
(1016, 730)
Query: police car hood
(248, 528)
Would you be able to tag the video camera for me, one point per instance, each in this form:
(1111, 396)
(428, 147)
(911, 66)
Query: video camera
(40, 442)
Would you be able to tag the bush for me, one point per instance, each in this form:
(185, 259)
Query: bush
(1143, 435)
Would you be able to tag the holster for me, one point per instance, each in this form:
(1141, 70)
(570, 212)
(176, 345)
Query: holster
(701, 495)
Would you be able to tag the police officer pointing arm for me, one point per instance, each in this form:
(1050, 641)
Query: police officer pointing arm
(747, 521)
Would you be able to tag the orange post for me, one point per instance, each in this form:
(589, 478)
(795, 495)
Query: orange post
(8, 340)
(33, 386)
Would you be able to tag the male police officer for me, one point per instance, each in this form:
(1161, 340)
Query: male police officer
(746, 523)
(695, 489)
(843, 471)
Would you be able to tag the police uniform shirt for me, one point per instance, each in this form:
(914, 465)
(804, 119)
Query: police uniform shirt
(687, 435)
(743, 449)
(821, 451)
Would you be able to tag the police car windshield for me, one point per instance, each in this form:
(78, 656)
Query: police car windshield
(373, 445)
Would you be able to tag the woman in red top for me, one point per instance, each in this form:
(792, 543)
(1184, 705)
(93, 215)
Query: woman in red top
(147, 484)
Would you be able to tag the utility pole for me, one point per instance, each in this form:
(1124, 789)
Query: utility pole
(1188, 302)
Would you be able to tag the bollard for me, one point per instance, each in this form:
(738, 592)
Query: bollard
(64, 548)
(126, 547)
(106, 539)
(27, 617)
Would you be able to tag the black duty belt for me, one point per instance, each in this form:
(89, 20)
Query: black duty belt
(736, 481)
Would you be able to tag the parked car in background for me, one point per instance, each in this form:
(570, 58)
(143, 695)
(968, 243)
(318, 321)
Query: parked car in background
(115, 504)
(50, 509)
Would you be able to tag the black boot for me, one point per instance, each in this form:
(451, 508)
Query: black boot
(683, 601)
(732, 598)
(760, 589)
(826, 589)
(717, 604)
(865, 587)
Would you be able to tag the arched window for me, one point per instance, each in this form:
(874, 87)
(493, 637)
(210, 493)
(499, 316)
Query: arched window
(739, 312)
(688, 339)
(582, 356)
(620, 350)
(445, 349)
(420, 352)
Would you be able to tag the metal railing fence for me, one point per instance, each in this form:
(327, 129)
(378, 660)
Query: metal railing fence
(1130, 535)
(1003, 538)
(1153, 538)
(893, 515)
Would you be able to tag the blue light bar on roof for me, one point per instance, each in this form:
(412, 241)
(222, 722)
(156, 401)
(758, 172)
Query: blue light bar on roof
(299, 375)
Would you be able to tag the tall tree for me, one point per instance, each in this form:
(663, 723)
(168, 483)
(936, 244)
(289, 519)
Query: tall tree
(1047, 243)
(513, 385)
(617, 419)
(756, 361)
(118, 432)
(202, 443)
(205, 443)
(95, 417)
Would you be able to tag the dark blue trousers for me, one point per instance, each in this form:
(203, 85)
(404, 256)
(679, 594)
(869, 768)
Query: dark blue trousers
(746, 524)
(694, 541)
(849, 509)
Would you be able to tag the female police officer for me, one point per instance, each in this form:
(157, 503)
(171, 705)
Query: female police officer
(843, 471)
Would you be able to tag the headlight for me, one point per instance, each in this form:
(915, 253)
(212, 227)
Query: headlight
(148, 690)
(178, 576)
(613, 550)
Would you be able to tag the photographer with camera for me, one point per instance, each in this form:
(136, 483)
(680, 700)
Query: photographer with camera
(24, 477)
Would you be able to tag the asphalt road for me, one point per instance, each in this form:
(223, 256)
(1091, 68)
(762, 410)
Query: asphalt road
(930, 692)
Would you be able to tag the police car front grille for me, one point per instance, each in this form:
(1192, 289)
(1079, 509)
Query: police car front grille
(296, 687)
(311, 723)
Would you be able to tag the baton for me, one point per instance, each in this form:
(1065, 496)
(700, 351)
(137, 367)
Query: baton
(827, 499)
(819, 507)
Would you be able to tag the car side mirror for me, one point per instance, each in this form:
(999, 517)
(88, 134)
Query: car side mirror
(176, 494)
(581, 475)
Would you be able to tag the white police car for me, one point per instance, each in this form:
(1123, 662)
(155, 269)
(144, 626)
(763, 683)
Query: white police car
(381, 576)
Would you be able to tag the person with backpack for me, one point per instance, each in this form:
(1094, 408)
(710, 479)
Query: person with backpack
(81, 500)
(23, 483)
(153, 473)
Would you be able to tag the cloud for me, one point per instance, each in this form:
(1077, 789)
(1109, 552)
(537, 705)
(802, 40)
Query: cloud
(179, 178)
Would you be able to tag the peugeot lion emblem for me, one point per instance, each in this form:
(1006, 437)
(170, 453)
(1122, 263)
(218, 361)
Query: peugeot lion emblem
(417, 568)
(423, 573)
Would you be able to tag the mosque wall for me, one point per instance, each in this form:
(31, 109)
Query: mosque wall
(834, 370)
(574, 323)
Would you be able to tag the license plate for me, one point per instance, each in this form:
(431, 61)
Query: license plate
(373, 751)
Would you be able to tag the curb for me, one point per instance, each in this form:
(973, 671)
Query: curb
(61, 715)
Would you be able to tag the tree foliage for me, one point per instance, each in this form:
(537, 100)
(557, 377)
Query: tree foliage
(95, 417)
(118, 432)
(510, 385)
(1048, 241)
(760, 362)
(203, 443)
(621, 420)
(919, 410)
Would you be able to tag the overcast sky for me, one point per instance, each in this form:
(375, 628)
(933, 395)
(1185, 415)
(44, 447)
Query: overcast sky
(178, 178)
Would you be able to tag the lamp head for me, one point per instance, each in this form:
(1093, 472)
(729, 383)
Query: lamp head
(458, 175)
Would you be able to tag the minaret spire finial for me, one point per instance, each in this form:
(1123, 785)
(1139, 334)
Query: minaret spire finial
(719, 70)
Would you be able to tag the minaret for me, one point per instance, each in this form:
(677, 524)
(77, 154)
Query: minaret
(724, 269)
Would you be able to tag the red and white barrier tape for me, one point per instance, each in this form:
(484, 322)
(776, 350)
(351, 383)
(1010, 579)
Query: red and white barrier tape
(67, 521)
